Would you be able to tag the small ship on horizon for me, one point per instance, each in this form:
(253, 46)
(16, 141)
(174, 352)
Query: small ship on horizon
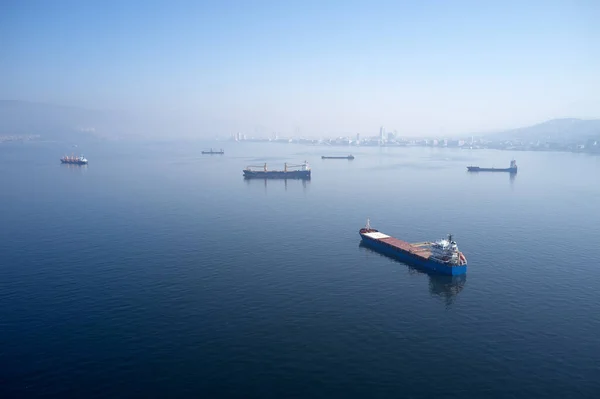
(350, 157)
(511, 169)
(221, 152)
(80, 160)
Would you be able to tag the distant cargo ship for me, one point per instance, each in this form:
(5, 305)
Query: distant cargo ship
(441, 256)
(511, 169)
(346, 157)
(221, 152)
(286, 173)
(80, 160)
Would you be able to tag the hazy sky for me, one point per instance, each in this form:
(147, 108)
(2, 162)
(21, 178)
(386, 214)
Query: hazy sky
(317, 67)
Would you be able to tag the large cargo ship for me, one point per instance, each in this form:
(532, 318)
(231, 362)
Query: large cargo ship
(286, 173)
(442, 285)
(346, 157)
(511, 169)
(441, 256)
(80, 160)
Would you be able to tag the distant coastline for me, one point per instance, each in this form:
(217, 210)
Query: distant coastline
(564, 135)
(591, 146)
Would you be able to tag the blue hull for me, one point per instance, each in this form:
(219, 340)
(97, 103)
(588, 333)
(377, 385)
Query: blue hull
(73, 162)
(273, 174)
(414, 260)
(478, 169)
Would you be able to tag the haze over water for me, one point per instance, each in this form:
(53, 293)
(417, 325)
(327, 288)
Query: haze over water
(159, 272)
(200, 68)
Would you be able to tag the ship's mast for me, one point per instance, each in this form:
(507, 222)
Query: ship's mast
(368, 226)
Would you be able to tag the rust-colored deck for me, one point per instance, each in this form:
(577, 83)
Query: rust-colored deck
(415, 249)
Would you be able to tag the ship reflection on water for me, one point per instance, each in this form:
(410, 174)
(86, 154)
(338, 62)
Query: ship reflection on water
(74, 167)
(511, 176)
(277, 182)
(446, 287)
(442, 286)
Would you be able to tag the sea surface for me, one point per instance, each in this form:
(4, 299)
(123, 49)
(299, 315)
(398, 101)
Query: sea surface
(156, 271)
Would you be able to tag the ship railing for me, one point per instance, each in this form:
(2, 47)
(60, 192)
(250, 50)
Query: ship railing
(286, 168)
(250, 167)
(296, 166)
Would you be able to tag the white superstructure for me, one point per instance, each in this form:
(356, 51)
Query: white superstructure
(446, 251)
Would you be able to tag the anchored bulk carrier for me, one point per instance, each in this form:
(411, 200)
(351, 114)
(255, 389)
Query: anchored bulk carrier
(511, 169)
(80, 160)
(288, 172)
(441, 256)
(346, 157)
(221, 152)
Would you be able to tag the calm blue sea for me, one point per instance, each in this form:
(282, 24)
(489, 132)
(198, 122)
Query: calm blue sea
(159, 272)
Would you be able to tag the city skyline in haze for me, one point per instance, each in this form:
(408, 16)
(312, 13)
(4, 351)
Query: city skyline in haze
(215, 68)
